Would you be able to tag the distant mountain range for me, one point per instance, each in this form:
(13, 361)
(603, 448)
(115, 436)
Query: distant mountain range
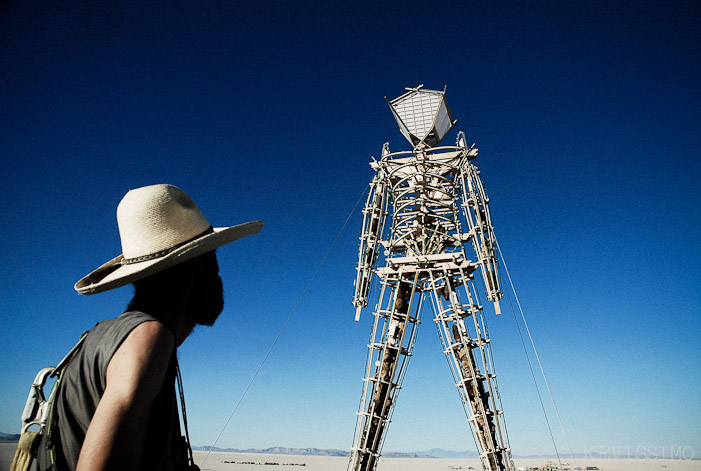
(8, 437)
(433, 453)
(277, 450)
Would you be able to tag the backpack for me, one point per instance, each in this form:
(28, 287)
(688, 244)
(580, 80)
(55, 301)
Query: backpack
(38, 411)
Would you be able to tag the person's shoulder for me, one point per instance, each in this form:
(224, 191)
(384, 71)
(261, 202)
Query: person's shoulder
(152, 334)
(137, 370)
(123, 326)
(125, 321)
(135, 316)
(143, 358)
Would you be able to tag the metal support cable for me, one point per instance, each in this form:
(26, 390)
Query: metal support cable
(540, 365)
(284, 326)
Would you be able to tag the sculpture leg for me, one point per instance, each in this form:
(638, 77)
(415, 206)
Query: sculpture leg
(391, 342)
(469, 356)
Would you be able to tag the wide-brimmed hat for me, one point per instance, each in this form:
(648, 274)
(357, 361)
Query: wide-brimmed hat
(159, 226)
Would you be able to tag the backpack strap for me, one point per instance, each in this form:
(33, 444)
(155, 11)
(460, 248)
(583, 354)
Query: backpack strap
(38, 411)
(70, 355)
(48, 421)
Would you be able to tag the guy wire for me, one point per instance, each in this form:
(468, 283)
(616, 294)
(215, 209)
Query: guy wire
(294, 309)
(535, 351)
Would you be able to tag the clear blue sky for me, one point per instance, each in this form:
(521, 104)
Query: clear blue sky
(587, 119)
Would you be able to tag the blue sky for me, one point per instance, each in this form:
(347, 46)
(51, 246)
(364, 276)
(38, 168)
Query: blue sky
(587, 118)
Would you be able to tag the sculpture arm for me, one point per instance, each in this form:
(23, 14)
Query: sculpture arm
(475, 207)
(374, 216)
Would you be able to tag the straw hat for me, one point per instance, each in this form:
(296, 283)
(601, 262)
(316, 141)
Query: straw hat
(159, 226)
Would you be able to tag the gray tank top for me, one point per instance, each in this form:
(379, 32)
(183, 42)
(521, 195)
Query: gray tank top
(83, 385)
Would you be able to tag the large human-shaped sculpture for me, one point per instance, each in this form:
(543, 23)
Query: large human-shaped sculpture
(427, 236)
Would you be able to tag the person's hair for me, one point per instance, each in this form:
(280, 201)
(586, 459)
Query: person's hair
(153, 290)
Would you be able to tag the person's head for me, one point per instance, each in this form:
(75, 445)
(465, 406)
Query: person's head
(194, 284)
(168, 249)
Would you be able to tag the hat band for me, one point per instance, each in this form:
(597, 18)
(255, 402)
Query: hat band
(162, 253)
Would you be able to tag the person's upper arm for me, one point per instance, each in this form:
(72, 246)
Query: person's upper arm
(135, 375)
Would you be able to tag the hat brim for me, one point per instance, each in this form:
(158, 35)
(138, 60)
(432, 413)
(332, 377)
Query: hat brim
(113, 274)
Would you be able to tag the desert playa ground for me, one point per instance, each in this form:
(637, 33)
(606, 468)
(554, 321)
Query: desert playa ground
(256, 462)
(218, 462)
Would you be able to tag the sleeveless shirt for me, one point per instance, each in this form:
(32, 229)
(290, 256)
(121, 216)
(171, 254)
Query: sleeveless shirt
(83, 385)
